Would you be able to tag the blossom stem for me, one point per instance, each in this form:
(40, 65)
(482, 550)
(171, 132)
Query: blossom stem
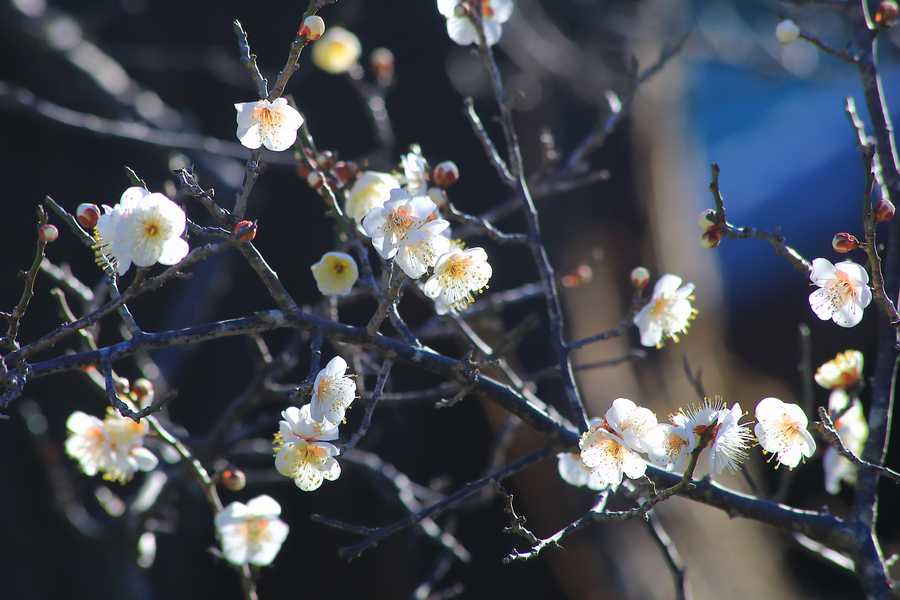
(12, 328)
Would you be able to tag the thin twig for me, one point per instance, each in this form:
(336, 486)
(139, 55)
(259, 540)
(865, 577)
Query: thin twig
(826, 428)
(18, 313)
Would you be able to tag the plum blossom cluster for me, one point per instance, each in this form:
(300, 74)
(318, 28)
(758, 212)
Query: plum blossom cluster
(303, 451)
(842, 375)
(143, 229)
(710, 436)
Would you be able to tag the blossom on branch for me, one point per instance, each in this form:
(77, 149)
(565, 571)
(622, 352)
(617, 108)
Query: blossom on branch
(389, 224)
(422, 247)
(337, 51)
(574, 472)
(728, 438)
(371, 190)
(143, 228)
(460, 27)
(852, 428)
(610, 447)
(458, 276)
(841, 372)
(270, 124)
(302, 451)
(668, 314)
(335, 273)
(781, 430)
(252, 533)
(844, 291)
(332, 393)
(669, 445)
(113, 446)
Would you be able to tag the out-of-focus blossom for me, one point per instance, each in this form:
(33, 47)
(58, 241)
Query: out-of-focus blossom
(252, 533)
(337, 51)
(335, 273)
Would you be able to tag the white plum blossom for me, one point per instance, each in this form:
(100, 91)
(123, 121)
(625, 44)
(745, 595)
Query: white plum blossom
(841, 372)
(787, 31)
(605, 453)
(302, 451)
(335, 273)
(631, 422)
(844, 291)
(270, 124)
(781, 430)
(574, 472)
(389, 224)
(668, 314)
(421, 248)
(458, 276)
(669, 445)
(371, 190)
(252, 533)
(332, 393)
(853, 430)
(461, 30)
(337, 51)
(728, 440)
(113, 446)
(144, 228)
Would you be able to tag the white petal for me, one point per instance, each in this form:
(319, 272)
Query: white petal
(492, 31)
(821, 304)
(146, 460)
(822, 271)
(278, 138)
(173, 251)
(264, 506)
(668, 284)
(461, 31)
(848, 315)
(446, 7)
(331, 469)
(856, 272)
(79, 422)
(503, 9)
(250, 135)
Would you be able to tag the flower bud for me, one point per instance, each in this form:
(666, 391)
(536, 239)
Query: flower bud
(312, 28)
(87, 214)
(445, 174)
(315, 180)
(887, 12)
(582, 274)
(48, 233)
(345, 171)
(326, 159)
(640, 277)
(302, 171)
(244, 231)
(844, 242)
(142, 388)
(884, 210)
(711, 238)
(382, 61)
(708, 218)
(787, 32)
(234, 479)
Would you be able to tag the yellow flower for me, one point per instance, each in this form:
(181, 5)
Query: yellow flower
(337, 51)
(335, 273)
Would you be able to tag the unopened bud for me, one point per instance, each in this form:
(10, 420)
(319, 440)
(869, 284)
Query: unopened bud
(315, 180)
(708, 218)
(382, 61)
(787, 32)
(345, 171)
(87, 214)
(48, 233)
(312, 28)
(844, 242)
(446, 174)
(244, 231)
(884, 210)
(302, 171)
(711, 238)
(325, 159)
(142, 388)
(582, 274)
(640, 277)
(234, 479)
(887, 12)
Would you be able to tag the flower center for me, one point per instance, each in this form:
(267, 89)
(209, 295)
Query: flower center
(266, 117)
(840, 289)
(486, 10)
(339, 267)
(458, 267)
(399, 221)
(151, 229)
(660, 307)
(257, 530)
(675, 444)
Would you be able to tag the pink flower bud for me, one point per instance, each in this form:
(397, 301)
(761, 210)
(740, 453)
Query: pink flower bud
(142, 388)
(244, 231)
(708, 218)
(382, 61)
(446, 174)
(711, 238)
(581, 275)
(88, 214)
(345, 171)
(48, 233)
(234, 479)
(314, 180)
(312, 28)
(884, 210)
(640, 277)
(844, 242)
(326, 159)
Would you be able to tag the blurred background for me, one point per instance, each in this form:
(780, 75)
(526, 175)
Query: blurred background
(770, 115)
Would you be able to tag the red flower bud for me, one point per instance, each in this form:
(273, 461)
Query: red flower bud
(382, 61)
(142, 388)
(884, 210)
(345, 171)
(87, 214)
(326, 159)
(315, 180)
(302, 171)
(312, 28)
(48, 233)
(640, 277)
(244, 231)
(844, 242)
(234, 479)
(711, 238)
(446, 174)
(887, 12)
